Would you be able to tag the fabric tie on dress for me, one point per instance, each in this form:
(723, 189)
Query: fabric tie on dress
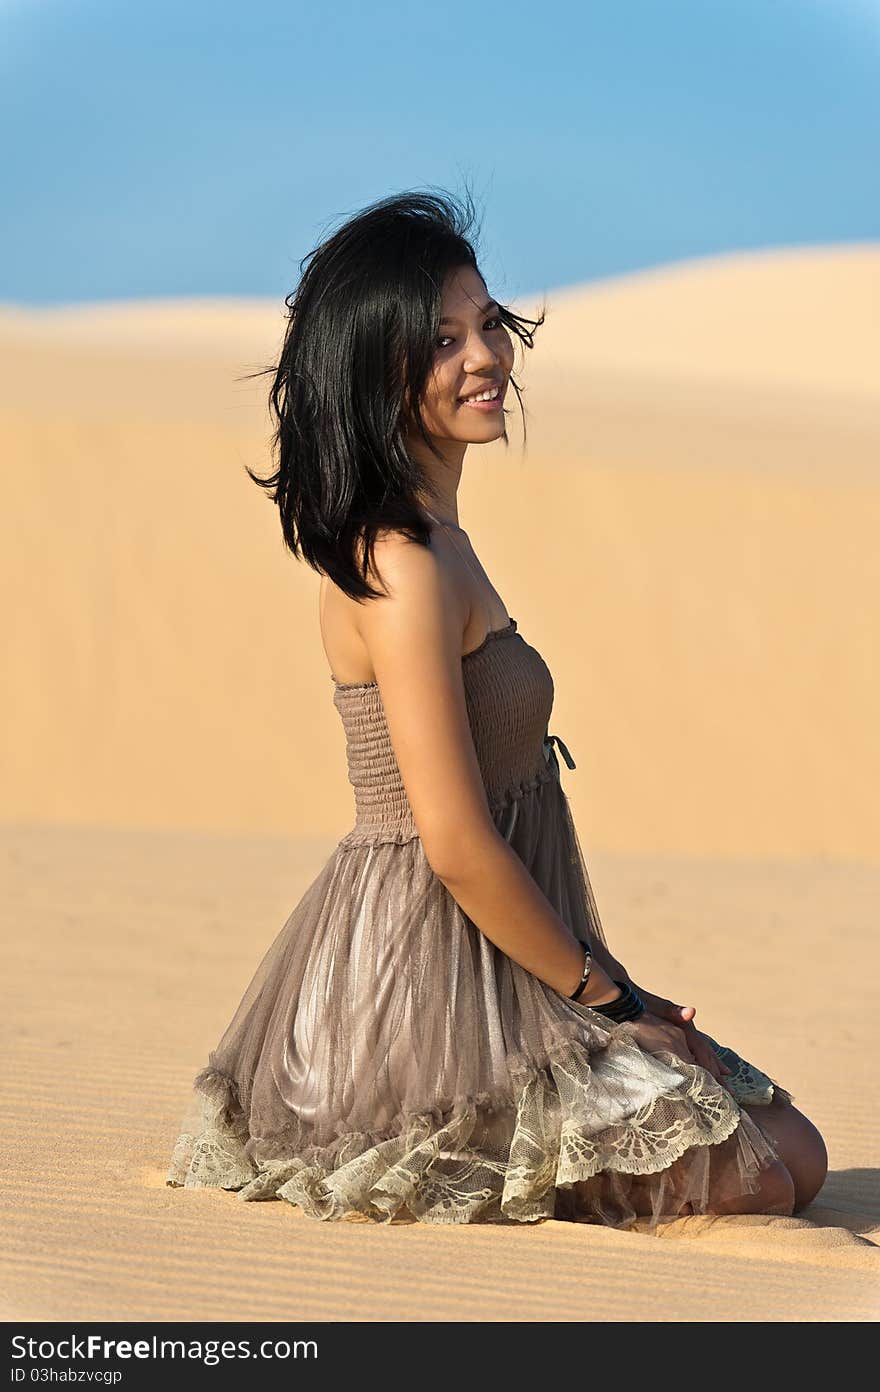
(550, 753)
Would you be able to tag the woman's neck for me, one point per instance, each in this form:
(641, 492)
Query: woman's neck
(442, 506)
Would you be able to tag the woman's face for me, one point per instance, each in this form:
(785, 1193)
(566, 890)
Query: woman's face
(473, 355)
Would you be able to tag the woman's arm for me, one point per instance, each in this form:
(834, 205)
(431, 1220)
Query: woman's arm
(414, 637)
(614, 969)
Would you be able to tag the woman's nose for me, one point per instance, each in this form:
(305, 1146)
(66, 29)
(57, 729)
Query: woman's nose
(480, 356)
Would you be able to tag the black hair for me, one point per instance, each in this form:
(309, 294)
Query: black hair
(358, 349)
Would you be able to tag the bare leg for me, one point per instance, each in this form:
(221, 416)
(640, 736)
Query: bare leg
(800, 1146)
(775, 1192)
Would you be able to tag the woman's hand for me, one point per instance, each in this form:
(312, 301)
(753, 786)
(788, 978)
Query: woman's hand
(682, 1016)
(655, 1035)
(700, 1051)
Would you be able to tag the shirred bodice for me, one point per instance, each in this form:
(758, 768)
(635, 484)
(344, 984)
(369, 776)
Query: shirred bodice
(509, 695)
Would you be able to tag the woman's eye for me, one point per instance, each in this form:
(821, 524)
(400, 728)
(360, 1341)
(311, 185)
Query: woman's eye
(495, 322)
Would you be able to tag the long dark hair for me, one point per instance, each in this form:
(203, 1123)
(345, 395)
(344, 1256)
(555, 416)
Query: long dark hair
(357, 352)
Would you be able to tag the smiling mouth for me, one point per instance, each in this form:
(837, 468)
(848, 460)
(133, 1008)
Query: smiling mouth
(482, 398)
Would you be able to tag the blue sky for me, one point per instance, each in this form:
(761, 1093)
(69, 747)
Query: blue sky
(203, 148)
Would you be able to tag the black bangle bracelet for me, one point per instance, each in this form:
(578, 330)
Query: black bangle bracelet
(628, 1006)
(633, 1008)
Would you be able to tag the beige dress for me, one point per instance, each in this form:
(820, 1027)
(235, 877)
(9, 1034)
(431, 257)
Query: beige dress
(387, 1060)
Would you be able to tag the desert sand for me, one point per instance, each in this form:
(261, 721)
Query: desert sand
(689, 539)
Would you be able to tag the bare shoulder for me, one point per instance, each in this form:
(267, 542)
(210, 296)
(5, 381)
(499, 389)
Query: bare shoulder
(420, 609)
(400, 563)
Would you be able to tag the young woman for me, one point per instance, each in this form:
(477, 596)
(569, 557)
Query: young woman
(439, 1032)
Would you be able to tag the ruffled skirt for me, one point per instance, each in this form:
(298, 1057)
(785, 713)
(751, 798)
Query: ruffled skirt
(388, 1061)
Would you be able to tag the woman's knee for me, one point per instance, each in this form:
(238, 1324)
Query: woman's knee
(800, 1147)
(777, 1190)
(807, 1163)
(774, 1193)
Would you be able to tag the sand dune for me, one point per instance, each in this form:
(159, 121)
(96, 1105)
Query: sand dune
(689, 540)
(692, 547)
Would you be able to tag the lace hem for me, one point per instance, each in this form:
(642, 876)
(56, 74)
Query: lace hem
(485, 1161)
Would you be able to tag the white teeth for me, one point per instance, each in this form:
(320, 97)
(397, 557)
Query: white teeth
(484, 396)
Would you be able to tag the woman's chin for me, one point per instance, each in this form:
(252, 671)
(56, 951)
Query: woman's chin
(482, 429)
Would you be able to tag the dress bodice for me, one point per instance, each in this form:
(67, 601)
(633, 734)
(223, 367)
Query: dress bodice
(509, 695)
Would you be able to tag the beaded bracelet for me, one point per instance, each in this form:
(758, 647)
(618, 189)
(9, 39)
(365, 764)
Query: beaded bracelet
(629, 1006)
(585, 976)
